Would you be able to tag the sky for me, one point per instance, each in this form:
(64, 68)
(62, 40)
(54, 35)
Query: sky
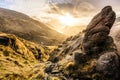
(24, 6)
(36, 6)
(49, 11)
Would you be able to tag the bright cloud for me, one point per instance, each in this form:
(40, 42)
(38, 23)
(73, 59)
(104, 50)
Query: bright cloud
(26, 6)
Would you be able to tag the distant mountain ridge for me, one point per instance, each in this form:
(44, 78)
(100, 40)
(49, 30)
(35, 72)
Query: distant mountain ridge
(25, 27)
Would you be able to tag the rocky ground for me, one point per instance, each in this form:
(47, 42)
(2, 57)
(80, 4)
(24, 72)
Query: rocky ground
(90, 55)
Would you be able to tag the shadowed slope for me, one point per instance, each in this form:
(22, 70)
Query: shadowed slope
(27, 28)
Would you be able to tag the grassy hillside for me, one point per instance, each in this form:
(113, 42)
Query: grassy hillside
(18, 59)
(25, 27)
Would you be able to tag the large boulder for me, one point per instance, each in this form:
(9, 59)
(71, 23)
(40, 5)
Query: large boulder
(96, 33)
(98, 42)
(108, 64)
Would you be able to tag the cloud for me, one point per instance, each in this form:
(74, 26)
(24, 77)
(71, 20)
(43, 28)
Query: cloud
(50, 8)
(26, 6)
(32, 7)
(79, 8)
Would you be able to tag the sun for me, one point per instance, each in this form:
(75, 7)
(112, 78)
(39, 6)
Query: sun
(67, 20)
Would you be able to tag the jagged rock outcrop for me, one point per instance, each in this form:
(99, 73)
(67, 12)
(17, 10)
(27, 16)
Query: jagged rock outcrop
(67, 48)
(98, 30)
(98, 41)
(91, 55)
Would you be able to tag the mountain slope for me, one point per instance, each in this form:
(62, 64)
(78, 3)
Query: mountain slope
(27, 28)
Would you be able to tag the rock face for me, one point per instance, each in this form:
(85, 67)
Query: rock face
(98, 30)
(98, 41)
(68, 47)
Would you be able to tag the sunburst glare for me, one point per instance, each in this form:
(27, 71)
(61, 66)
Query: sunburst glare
(68, 20)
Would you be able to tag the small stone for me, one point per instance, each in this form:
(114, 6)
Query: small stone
(79, 57)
